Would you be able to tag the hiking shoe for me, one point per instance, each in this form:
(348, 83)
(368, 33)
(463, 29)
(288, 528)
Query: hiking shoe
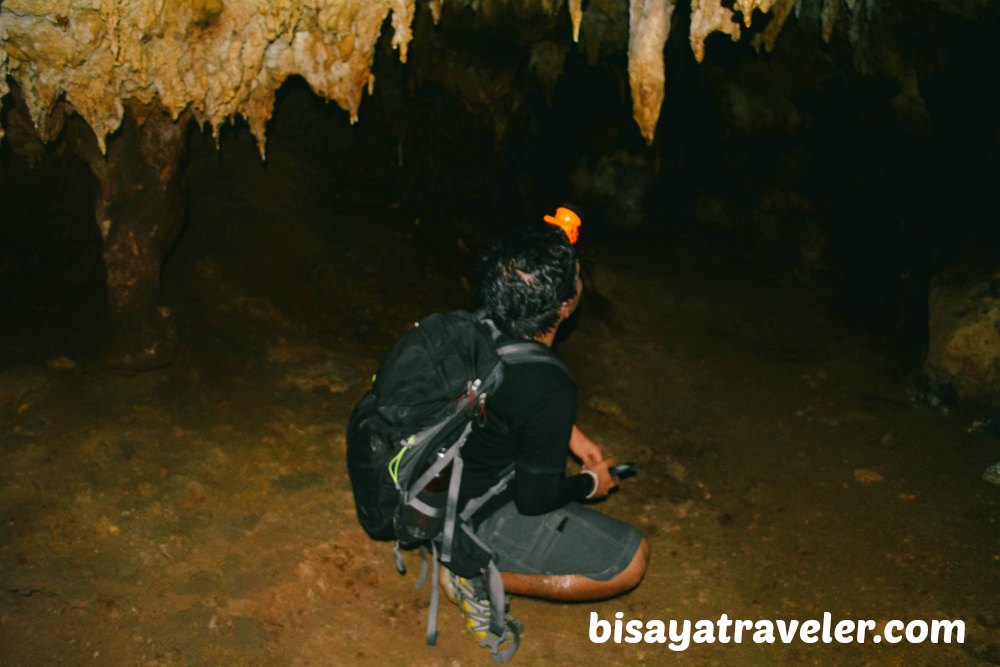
(470, 597)
(473, 600)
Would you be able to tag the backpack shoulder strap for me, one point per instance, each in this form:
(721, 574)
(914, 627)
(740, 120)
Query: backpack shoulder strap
(521, 352)
(528, 352)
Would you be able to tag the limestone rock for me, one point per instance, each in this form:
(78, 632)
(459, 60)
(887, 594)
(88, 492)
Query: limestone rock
(828, 18)
(547, 62)
(781, 10)
(220, 59)
(649, 26)
(435, 6)
(964, 347)
(992, 474)
(708, 16)
(3, 81)
(217, 59)
(576, 17)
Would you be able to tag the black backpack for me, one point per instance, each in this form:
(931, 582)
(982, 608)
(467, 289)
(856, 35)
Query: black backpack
(406, 435)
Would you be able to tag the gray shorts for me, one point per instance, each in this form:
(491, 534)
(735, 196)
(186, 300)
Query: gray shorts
(570, 540)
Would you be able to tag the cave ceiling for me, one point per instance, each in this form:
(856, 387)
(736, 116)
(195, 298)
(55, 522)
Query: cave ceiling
(215, 60)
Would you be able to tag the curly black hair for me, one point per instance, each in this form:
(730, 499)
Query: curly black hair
(525, 278)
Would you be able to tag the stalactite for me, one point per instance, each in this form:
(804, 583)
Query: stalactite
(649, 26)
(3, 84)
(708, 16)
(746, 7)
(402, 19)
(830, 13)
(547, 63)
(216, 59)
(781, 10)
(576, 16)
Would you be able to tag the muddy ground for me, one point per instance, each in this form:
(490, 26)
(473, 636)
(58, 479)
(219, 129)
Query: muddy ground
(201, 514)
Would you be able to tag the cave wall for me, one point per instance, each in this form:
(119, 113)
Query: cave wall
(857, 150)
(867, 164)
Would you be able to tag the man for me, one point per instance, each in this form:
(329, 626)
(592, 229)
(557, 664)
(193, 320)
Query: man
(546, 544)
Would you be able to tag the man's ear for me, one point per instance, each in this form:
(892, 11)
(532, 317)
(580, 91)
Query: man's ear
(565, 310)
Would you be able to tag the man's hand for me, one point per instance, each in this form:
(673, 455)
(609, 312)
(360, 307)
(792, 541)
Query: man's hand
(584, 448)
(605, 482)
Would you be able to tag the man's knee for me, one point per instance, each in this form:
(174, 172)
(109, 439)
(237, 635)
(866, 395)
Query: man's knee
(636, 569)
(630, 577)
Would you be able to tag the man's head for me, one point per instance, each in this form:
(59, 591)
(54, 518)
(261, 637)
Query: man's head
(528, 282)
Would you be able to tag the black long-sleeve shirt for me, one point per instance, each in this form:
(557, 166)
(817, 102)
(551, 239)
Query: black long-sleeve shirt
(529, 420)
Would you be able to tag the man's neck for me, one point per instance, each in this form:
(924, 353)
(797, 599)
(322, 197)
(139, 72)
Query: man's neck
(546, 338)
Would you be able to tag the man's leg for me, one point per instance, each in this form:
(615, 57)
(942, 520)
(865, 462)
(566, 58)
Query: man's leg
(570, 587)
(573, 553)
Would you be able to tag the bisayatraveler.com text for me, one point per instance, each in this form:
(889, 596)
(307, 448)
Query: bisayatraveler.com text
(679, 635)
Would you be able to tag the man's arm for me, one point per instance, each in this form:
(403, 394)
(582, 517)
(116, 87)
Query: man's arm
(543, 429)
(584, 448)
(592, 457)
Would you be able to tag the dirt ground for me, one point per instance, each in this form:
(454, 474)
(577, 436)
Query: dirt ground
(201, 514)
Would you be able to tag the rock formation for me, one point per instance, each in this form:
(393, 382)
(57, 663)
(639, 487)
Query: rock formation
(139, 211)
(964, 349)
(649, 26)
(136, 71)
(211, 58)
(217, 59)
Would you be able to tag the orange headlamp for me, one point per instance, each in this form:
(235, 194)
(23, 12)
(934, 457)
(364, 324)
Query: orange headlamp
(566, 220)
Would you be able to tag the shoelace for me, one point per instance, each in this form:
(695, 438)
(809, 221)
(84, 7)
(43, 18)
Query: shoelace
(478, 614)
(477, 611)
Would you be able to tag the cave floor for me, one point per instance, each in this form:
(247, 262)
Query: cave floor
(201, 514)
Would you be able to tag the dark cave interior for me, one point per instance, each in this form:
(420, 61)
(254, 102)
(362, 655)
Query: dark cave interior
(792, 162)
